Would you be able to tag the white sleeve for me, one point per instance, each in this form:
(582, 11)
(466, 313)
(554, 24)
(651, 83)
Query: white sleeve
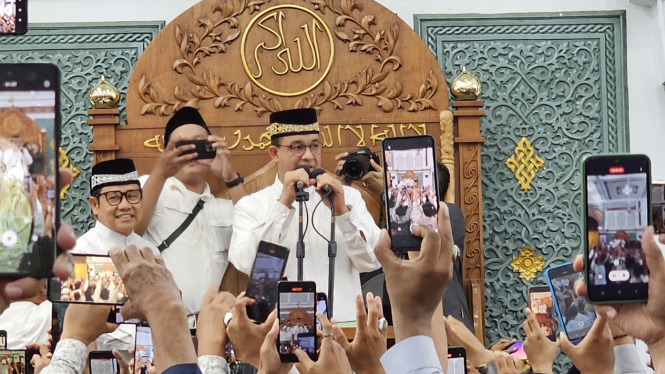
(360, 250)
(421, 353)
(69, 358)
(627, 360)
(253, 221)
(211, 364)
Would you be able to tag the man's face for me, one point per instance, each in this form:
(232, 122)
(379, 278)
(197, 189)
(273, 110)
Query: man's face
(287, 161)
(193, 169)
(120, 218)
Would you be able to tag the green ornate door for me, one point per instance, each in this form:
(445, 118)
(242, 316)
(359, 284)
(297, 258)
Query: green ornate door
(555, 90)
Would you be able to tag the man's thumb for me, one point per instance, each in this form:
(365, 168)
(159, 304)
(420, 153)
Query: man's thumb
(128, 311)
(566, 346)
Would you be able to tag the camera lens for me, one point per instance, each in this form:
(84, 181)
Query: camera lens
(356, 167)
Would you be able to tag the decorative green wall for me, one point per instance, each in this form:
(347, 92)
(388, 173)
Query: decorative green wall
(560, 81)
(84, 52)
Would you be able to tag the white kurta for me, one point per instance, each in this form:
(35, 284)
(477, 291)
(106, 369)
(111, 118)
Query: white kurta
(100, 239)
(198, 257)
(260, 216)
(26, 323)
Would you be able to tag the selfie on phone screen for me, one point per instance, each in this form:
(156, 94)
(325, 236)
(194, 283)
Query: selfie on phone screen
(95, 280)
(13, 361)
(576, 314)
(268, 269)
(144, 354)
(297, 322)
(542, 307)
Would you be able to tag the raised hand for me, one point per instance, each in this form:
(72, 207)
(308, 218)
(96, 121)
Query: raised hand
(210, 329)
(332, 357)
(246, 336)
(595, 353)
(540, 351)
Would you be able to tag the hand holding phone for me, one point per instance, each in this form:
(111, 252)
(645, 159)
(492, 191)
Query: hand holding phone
(296, 311)
(95, 280)
(456, 360)
(542, 306)
(204, 148)
(267, 271)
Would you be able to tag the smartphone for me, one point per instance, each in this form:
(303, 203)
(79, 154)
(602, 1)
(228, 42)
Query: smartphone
(456, 360)
(517, 349)
(29, 140)
(268, 269)
(13, 17)
(576, 315)
(3, 339)
(116, 317)
(658, 206)
(95, 280)
(204, 148)
(15, 361)
(411, 185)
(617, 190)
(296, 310)
(542, 306)
(144, 355)
(103, 362)
(321, 307)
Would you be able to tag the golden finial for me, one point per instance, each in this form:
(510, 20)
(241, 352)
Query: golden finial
(104, 95)
(466, 86)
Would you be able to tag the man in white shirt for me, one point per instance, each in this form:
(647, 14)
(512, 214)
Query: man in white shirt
(271, 215)
(198, 255)
(28, 321)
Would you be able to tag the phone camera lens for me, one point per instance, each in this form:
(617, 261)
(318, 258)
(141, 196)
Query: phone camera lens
(32, 76)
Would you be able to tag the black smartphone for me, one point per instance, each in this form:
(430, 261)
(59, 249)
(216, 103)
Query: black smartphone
(95, 280)
(29, 140)
(617, 190)
(144, 354)
(411, 188)
(13, 17)
(3, 339)
(15, 361)
(296, 310)
(116, 317)
(204, 148)
(103, 362)
(658, 206)
(456, 360)
(542, 307)
(268, 269)
(321, 307)
(576, 315)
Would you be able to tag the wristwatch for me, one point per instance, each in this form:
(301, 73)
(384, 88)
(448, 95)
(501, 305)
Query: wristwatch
(487, 368)
(235, 182)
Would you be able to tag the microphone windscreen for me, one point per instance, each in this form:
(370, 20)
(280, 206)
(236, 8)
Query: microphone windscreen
(305, 168)
(317, 172)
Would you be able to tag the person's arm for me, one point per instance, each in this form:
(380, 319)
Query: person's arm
(359, 232)
(223, 168)
(439, 337)
(627, 359)
(152, 188)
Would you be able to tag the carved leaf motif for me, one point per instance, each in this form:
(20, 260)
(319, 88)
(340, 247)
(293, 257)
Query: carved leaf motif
(341, 35)
(232, 37)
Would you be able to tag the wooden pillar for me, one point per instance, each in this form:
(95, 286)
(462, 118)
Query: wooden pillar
(448, 151)
(103, 122)
(469, 194)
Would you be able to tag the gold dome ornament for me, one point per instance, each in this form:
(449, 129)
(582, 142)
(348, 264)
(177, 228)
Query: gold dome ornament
(104, 95)
(527, 264)
(466, 86)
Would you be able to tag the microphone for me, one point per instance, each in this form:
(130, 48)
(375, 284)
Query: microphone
(300, 186)
(326, 189)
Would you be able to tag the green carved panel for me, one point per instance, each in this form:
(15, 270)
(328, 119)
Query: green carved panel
(83, 52)
(560, 81)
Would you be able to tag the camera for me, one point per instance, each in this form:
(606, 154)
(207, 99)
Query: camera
(358, 163)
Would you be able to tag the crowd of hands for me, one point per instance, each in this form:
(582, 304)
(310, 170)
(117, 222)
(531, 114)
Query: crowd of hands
(415, 286)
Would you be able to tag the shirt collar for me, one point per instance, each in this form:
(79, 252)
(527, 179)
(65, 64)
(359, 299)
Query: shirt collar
(105, 232)
(175, 183)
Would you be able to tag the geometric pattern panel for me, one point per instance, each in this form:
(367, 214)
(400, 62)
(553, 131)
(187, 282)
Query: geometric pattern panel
(83, 52)
(560, 82)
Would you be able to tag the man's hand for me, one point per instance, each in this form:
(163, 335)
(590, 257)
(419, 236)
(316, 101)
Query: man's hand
(126, 367)
(289, 191)
(337, 192)
(246, 336)
(373, 180)
(595, 353)
(39, 360)
(86, 323)
(507, 364)
(150, 286)
(341, 159)
(221, 165)
(270, 362)
(332, 358)
(460, 335)
(416, 287)
(210, 329)
(370, 343)
(540, 351)
(173, 158)
(502, 344)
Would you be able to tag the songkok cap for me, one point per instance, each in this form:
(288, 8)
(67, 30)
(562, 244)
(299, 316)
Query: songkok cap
(113, 173)
(293, 122)
(183, 116)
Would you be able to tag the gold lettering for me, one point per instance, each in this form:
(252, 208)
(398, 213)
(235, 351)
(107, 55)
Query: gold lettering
(339, 135)
(378, 136)
(414, 128)
(393, 128)
(329, 142)
(154, 143)
(238, 135)
(279, 36)
(360, 135)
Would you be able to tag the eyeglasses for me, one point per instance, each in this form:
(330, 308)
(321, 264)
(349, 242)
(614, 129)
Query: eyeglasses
(299, 149)
(115, 197)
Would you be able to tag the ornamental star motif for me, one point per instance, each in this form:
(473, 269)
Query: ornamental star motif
(527, 264)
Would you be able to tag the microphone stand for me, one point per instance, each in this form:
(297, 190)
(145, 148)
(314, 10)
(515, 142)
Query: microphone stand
(332, 254)
(301, 197)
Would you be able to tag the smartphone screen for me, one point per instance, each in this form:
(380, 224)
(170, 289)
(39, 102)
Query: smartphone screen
(321, 307)
(116, 317)
(517, 349)
(103, 363)
(542, 306)
(29, 140)
(658, 206)
(268, 269)
(456, 360)
(143, 355)
(13, 16)
(13, 361)
(297, 319)
(576, 315)
(617, 207)
(95, 280)
(411, 185)
(3, 339)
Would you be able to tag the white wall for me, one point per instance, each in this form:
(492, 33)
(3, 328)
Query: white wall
(645, 33)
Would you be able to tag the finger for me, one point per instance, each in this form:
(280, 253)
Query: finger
(121, 359)
(305, 365)
(267, 325)
(515, 363)
(655, 258)
(133, 254)
(341, 156)
(384, 253)
(428, 253)
(128, 311)
(340, 338)
(325, 323)
(66, 237)
(566, 346)
(361, 316)
(373, 314)
(578, 263)
(269, 345)
(531, 321)
(607, 311)
(119, 258)
(598, 327)
(66, 176)
(376, 166)
(379, 305)
(63, 266)
(580, 287)
(445, 231)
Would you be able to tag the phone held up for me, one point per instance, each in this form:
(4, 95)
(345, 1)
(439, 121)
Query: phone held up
(16, 361)
(617, 203)
(103, 362)
(29, 101)
(658, 206)
(13, 17)
(321, 307)
(576, 315)
(296, 311)
(267, 271)
(456, 360)
(95, 280)
(411, 188)
(204, 148)
(542, 307)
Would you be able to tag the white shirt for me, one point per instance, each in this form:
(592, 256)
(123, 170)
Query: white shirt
(415, 355)
(26, 323)
(260, 216)
(198, 257)
(100, 239)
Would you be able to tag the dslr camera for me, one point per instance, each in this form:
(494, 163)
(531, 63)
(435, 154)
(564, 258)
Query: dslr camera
(358, 163)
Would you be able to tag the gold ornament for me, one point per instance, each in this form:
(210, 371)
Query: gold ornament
(466, 86)
(527, 264)
(524, 163)
(65, 163)
(104, 95)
